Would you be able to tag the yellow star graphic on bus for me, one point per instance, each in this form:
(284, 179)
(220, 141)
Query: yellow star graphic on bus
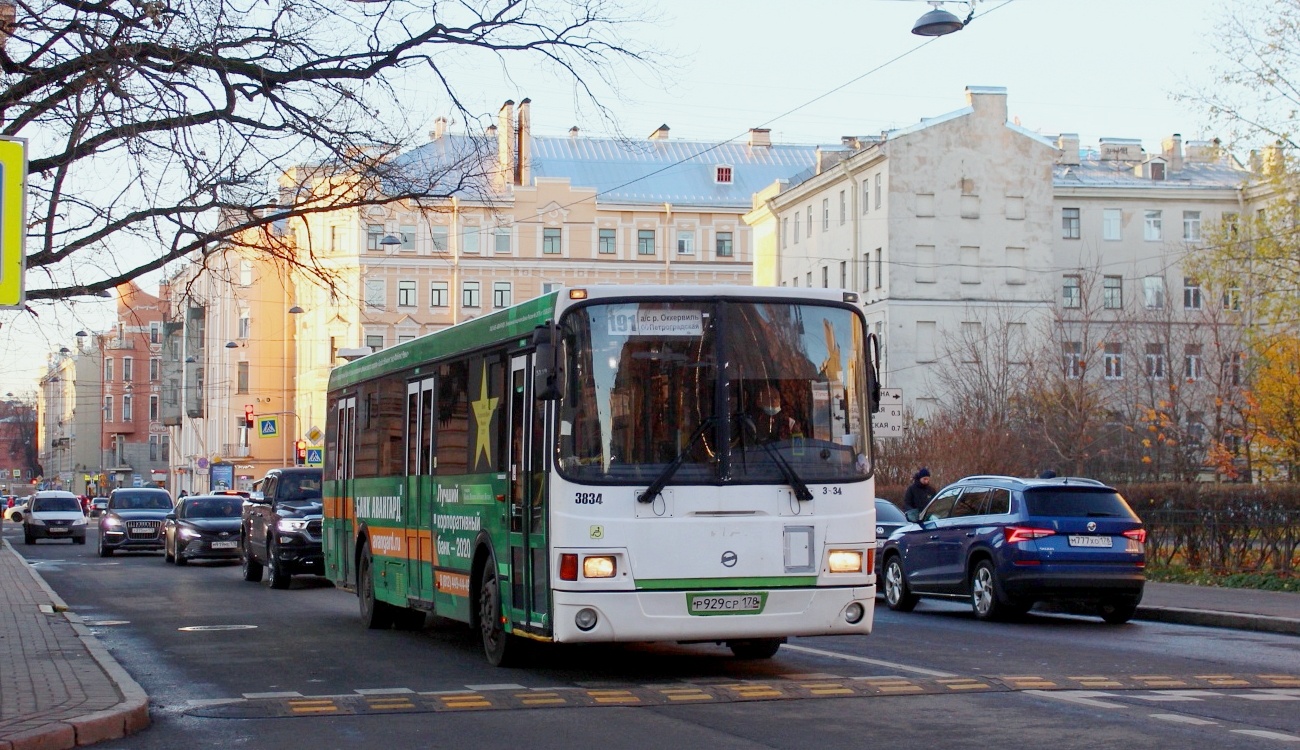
(483, 409)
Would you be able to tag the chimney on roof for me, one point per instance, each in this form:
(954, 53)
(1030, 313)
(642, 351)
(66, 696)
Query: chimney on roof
(1068, 143)
(439, 129)
(573, 131)
(523, 151)
(1274, 159)
(490, 131)
(760, 137)
(851, 141)
(661, 134)
(1172, 148)
(506, 141)
(988, 101)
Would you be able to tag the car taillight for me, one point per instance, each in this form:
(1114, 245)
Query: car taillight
(1015, 534)
(1137, 535)
(568, 567)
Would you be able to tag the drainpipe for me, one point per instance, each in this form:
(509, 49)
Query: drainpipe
(455, 265)
(668, 255)
(853, 208)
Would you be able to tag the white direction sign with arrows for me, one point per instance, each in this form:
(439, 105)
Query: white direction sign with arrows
(888, 422)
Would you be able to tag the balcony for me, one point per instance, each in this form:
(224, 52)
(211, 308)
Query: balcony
(124, 344)
(235, 451)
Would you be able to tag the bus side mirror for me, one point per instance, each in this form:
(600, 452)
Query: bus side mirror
(873, 372)
(546, 366)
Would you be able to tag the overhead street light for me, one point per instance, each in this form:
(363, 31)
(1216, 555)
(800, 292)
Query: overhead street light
(939, 22)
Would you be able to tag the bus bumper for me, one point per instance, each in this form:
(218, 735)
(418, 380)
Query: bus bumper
(663, 616)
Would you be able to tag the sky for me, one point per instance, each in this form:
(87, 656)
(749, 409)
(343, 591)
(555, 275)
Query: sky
(814, 71)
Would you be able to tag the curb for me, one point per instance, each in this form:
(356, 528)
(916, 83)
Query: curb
(1212, 619)
(129, 716)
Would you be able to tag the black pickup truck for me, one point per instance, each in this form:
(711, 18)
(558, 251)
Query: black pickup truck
(281, 527)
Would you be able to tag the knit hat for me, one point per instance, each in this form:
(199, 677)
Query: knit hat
(924, 472)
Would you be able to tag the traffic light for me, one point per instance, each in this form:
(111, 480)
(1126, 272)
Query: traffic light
(300, 453)
(248, 416)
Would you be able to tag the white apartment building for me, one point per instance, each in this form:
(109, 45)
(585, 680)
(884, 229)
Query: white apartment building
(966, 220)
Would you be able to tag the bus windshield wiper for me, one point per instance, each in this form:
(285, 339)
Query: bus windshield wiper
(661, 481)
(801, 490)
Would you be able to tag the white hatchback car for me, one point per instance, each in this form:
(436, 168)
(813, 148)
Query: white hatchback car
(54, 514)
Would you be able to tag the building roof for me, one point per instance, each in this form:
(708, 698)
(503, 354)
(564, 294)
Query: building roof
(1092, 171)
(621, 171)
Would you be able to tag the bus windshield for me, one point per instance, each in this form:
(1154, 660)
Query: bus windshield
(644, 388)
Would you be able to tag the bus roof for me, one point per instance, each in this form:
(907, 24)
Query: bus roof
(520, 320)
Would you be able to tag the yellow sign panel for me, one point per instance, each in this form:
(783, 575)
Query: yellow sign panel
(13, 221)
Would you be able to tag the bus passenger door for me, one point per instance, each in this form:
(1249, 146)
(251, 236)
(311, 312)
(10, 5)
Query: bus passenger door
(418, 516)
(341, 539)
(529, 579)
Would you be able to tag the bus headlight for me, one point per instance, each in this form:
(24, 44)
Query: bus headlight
(598, 566)
(845, 561)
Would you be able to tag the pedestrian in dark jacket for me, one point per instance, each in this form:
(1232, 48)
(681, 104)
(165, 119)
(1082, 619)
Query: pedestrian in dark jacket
(919, 492)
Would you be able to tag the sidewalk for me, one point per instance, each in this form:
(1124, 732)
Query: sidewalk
(1211, 606)
(59, 687)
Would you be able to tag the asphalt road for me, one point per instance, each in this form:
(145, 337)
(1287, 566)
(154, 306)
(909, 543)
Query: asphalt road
(236, 664)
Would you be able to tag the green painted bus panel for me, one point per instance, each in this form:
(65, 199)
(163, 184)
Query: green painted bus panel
(708, 584)
(494, 328)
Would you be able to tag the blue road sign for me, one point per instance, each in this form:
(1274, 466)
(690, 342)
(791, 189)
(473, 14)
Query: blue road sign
(268, 426)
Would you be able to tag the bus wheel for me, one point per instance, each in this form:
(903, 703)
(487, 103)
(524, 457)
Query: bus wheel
(375, 615)
(501, 648)
(756, 648)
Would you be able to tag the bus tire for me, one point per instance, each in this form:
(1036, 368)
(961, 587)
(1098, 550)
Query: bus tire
(375, 614)
(500, 648)
(755, 648)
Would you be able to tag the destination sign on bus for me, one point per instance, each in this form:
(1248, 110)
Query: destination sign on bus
(633, 320)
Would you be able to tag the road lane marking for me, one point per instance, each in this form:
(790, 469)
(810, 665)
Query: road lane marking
(1082, 697)
(1271, 694)
(1267, 735)
(865, 660)
(1181, 719)
(285, 694)
(384, 691)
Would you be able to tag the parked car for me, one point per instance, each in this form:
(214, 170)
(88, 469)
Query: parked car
(203, 527)
(16, 510)
(97, 506)
(281, 528)
(888, 520)
(133, 519)
(54, 514)
(1005, 543)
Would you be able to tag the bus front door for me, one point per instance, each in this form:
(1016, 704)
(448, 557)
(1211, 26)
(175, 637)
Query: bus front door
(529, 579)
(340, 541)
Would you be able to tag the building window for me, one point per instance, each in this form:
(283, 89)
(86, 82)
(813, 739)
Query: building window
(1155, 361)
(438, 294)
(1232, 299)
(1192, 366)
(879, 183)
(375, 293)
(880, 267)
(866, 198)
(722, 244)
(336, 239)
(785, 233)
(245, 325)
(108, 370)
(645, 242)
(551, 241)
(686, 243)
(1072, 358)
(796, 227)
(722, 175)
(826, 214)
(607, 244)
(1151, 228)
(469, 294)
(1070, 223)
(1112, 293)
(810, 221)
(501, 239)
(128, 370)
(469, 239)
(245, 272)
(1114, 362)
(108, 408)
(1191, 294)
(501, 294)
(1071, 297)
(374, 234)
(826, 278)
(155, 333)
(1112, 224)
(1192, 226)
(153, 447)
(241, 377)
(1153, 292)
(155, 369)
(439, 237)
(406, 294)
(809, 284)
(406, 234)
(1233, 369)
(126, 408)
(402, 338)
(844, 207)
(844, 274)
(374, 341)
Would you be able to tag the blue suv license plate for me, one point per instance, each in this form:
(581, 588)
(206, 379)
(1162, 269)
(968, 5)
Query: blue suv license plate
(1090, 541)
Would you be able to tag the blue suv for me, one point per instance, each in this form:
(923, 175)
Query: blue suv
(1005, 543)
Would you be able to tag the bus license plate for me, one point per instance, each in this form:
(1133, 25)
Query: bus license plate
(1089, 541)
(746, 603)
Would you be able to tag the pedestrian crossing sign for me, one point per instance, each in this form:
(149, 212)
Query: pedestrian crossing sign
(315, 457)
(268, 426)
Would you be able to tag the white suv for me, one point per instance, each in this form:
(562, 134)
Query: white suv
(54, 514)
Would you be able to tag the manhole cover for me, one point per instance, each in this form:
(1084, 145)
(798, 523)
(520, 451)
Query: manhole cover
(201, 628)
